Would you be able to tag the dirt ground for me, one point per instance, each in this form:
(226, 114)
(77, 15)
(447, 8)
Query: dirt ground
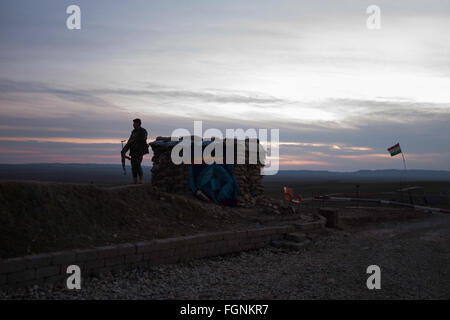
(413, 256)
(411, 248)
(38, 217)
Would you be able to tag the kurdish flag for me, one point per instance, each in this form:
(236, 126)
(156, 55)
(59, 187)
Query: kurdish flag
(394, 150)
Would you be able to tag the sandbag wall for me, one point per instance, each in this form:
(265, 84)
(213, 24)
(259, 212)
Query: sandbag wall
(166, 175)
(175, 178)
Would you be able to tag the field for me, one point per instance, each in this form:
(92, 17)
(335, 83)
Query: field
(95, 205)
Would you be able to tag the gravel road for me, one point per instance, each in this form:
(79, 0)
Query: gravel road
(414, 257)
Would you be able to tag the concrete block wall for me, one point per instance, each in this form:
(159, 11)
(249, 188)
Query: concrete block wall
(51, 267)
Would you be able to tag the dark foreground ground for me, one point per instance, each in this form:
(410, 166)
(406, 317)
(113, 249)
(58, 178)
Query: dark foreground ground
(41, 217)
(414, 257)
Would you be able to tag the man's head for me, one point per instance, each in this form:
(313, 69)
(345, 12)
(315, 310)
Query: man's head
(136, 123)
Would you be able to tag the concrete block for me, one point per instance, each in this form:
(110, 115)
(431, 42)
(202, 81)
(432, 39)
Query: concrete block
(86, 254)
(277, 236)
(114, 261)
(230, 235)
(27, 283)
(234, 243)
(132, 258)
(145, 246)
(183, 252)
(255, 233)
(241, 234)
(309, 226)
(171, 259)
(12, 265)
(38, 260)
(221, 244)
(57, 279)
(126, 249)
(162, 244)
(190, 240)
(63, 257)
(48, 271)
(331, 215)
(213, 237)
(100, 262)
(21, 276)
(107, 251)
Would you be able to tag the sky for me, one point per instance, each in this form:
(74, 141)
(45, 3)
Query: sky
(339, 93)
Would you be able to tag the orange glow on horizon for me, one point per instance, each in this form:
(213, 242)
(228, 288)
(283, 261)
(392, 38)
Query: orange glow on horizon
(64, 140)
(305, 163)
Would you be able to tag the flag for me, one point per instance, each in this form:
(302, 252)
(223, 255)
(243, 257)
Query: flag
(394, 150)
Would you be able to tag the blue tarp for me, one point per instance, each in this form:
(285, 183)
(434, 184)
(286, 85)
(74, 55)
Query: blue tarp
(217, 181)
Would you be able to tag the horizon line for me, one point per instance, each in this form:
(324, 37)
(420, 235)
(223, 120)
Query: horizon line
(111, 164)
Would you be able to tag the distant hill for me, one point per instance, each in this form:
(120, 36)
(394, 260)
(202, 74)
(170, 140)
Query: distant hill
(109, 173)
(363, 175)
(83, 173)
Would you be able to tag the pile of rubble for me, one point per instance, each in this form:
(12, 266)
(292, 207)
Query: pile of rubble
(267, 205)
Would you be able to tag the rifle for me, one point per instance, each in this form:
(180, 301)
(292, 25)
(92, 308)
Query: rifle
(124, 156)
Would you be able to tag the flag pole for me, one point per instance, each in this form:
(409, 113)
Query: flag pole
(404, 165)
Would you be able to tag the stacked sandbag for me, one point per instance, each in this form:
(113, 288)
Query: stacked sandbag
(175, 178)
(240, 172)
(255, 179)
(249, 179)
(166, 175)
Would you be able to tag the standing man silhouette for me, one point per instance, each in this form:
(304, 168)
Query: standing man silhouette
(137, 144)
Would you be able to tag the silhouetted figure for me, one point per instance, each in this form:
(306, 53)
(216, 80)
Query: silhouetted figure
(137, 144)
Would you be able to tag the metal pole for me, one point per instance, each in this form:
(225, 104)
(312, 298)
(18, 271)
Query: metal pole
(406, 170)
(404, 162)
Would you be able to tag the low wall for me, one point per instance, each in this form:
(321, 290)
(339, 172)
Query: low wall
(51, 267)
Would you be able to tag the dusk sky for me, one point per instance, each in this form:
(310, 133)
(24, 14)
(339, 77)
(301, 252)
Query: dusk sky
(339, 93)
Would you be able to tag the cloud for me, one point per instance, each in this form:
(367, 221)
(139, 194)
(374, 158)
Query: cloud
(391, 109)
(8, 86)
(91, 96)
(208, 95)
(332, 146)
(334, 112)
(72, 140)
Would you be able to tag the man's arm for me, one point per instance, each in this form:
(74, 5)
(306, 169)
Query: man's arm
(127, 146)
